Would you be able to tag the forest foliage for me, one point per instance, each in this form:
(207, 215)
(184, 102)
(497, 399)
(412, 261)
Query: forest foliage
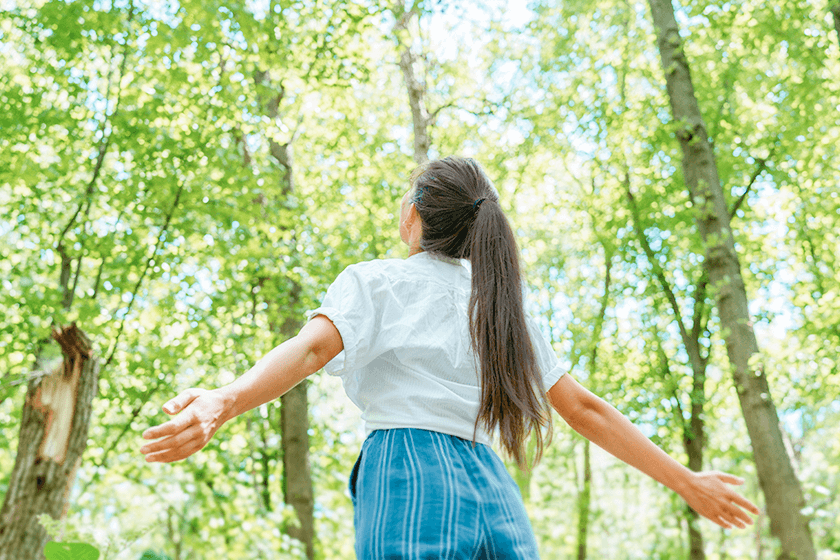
(140, 197)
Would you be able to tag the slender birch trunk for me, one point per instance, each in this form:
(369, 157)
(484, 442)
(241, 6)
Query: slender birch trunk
(782, 492)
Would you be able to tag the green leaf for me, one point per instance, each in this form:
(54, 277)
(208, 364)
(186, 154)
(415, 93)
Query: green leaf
(70, 551)
(152, 555)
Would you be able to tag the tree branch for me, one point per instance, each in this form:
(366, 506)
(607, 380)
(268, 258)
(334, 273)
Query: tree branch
(762, 165)
(667, 376)
(835, 11)
(651, 256)
(602, 311)
(70, 291)
(433, 114)
(102, 149)
(699, 305)
(135, 412)
(151, 258)
(98, 278)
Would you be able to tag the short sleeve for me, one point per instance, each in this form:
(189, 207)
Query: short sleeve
(353, 305)
(547, 360)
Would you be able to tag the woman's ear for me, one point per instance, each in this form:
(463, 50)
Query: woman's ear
(412, 214)
(414, 228)
(413, 218)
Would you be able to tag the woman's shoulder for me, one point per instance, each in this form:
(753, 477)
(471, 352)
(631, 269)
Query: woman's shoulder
(371, 274)
(421, 267)
(375, 267)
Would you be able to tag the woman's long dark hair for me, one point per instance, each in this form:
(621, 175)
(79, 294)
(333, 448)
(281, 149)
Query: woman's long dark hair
(461, 217)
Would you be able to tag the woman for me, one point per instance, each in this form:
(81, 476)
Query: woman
(439, 355)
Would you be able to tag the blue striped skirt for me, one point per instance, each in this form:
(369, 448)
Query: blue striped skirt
(419, 494)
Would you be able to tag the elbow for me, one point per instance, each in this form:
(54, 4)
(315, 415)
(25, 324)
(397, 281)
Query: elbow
(314, 357)
(585, 416)
(321, 343)
(581, 409)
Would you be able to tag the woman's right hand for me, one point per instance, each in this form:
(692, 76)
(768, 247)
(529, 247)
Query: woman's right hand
(709, 493)
(202, 413)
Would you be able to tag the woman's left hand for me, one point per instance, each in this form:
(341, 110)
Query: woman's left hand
(202, 414)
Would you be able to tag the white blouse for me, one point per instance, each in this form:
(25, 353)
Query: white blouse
(407, 360)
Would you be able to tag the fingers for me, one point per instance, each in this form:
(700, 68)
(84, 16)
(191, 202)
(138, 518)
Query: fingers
(738, 499)
(722, 522)
(175, 454)
(174, 426)
(732, 515)
(174, 406)
(746, 504)
(176, 440)
(176, 447)
(180, 402)
(730, 478)
(729, 519)
(738, 517)
(720, 503)
(180, 437)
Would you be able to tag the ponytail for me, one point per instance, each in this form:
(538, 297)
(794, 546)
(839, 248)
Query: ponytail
(461, 218)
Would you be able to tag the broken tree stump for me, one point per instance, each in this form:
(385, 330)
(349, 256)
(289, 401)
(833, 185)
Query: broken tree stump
(53, 436)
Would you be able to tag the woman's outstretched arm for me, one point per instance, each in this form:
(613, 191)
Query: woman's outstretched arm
(707, 492)
(203, 412)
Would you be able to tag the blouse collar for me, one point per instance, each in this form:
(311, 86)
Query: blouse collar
(439, 257)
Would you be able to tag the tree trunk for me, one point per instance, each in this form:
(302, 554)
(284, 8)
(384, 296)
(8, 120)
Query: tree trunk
(263, 479)
(584, 499)
(297, 478)
(694, 436)
(294, 413)
(694, 441)
(835, 11)
(782, 492)
(585, 493)
(53, 437)
(294, 410)
(416, 89)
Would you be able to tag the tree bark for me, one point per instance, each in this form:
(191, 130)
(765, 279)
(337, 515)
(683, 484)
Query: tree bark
(297, 477)
(294, 413)
(694, 436)
(416, 89)
(835, 11)
(782, 491)
(263, 479)
(694, 441)
(584, 499)
(294, 410)
(585, 492)
(53, 437)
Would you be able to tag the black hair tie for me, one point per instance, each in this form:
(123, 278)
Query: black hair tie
(477, 203)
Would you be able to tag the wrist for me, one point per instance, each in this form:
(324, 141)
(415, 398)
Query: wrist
(685, 483)
(228, 400)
